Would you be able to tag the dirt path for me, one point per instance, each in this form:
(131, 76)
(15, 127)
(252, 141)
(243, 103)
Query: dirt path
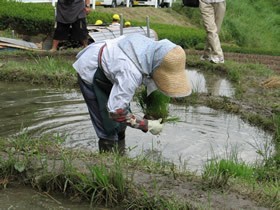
(272, 62)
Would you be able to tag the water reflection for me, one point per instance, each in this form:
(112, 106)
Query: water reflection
(211, 84)
(200, 134)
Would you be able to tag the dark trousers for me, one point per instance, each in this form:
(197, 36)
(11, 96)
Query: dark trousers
(97, 117)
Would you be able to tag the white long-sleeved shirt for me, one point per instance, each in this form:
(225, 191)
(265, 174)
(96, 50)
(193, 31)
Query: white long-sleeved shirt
(127, 63)
(125, 82)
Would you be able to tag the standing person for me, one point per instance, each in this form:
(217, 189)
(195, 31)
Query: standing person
(213, 12)
(71, 21)
(115, 21)
(109, 74)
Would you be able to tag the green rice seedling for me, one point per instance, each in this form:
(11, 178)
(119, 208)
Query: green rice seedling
(155, 105)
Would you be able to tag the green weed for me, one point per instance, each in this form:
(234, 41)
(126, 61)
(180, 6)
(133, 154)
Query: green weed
(218, 171)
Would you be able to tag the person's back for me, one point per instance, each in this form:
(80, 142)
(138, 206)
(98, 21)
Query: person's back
(68, 11)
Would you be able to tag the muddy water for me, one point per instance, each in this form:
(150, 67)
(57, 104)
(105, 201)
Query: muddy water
(25, 198)
(200, 134)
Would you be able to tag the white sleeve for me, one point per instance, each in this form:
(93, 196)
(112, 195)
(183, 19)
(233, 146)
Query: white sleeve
(87, 62)
(127, 79)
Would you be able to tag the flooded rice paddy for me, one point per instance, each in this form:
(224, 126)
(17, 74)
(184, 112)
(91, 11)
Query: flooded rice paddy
(200, 134)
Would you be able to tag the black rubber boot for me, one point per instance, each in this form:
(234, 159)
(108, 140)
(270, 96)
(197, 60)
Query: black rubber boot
(106, 145)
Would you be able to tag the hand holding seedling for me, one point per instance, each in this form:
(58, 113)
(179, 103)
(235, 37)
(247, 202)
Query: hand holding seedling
(155, 126)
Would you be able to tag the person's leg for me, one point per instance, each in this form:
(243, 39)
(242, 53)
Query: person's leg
(61, 33)
(206, 17)
(94, 110)
(54, 45)
(213, 41)
(106, 142)
(79, 32)
(220, 10)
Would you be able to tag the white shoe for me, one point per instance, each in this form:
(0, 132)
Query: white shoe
(204, 58)
(217, 60)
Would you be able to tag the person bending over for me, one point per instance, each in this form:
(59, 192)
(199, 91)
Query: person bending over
(110, 72)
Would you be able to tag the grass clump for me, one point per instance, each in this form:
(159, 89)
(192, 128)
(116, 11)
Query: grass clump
(43, 70)
(217, 173)
(260, 179)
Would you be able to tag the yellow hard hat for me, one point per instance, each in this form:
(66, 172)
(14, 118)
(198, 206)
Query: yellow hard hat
(116, 17)
(127, 23)
(98, 22)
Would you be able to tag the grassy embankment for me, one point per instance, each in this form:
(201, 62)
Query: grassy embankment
(259, 181)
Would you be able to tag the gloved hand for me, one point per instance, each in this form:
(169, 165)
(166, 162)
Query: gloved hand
(155, 126)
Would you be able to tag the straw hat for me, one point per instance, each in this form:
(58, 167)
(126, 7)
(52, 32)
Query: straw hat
(171, 77)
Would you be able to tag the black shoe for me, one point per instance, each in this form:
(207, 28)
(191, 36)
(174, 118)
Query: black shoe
(106, 145)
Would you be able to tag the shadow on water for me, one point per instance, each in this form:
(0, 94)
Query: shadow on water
(200, 134)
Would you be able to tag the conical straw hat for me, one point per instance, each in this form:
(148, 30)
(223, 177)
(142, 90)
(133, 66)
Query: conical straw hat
(171, 77)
